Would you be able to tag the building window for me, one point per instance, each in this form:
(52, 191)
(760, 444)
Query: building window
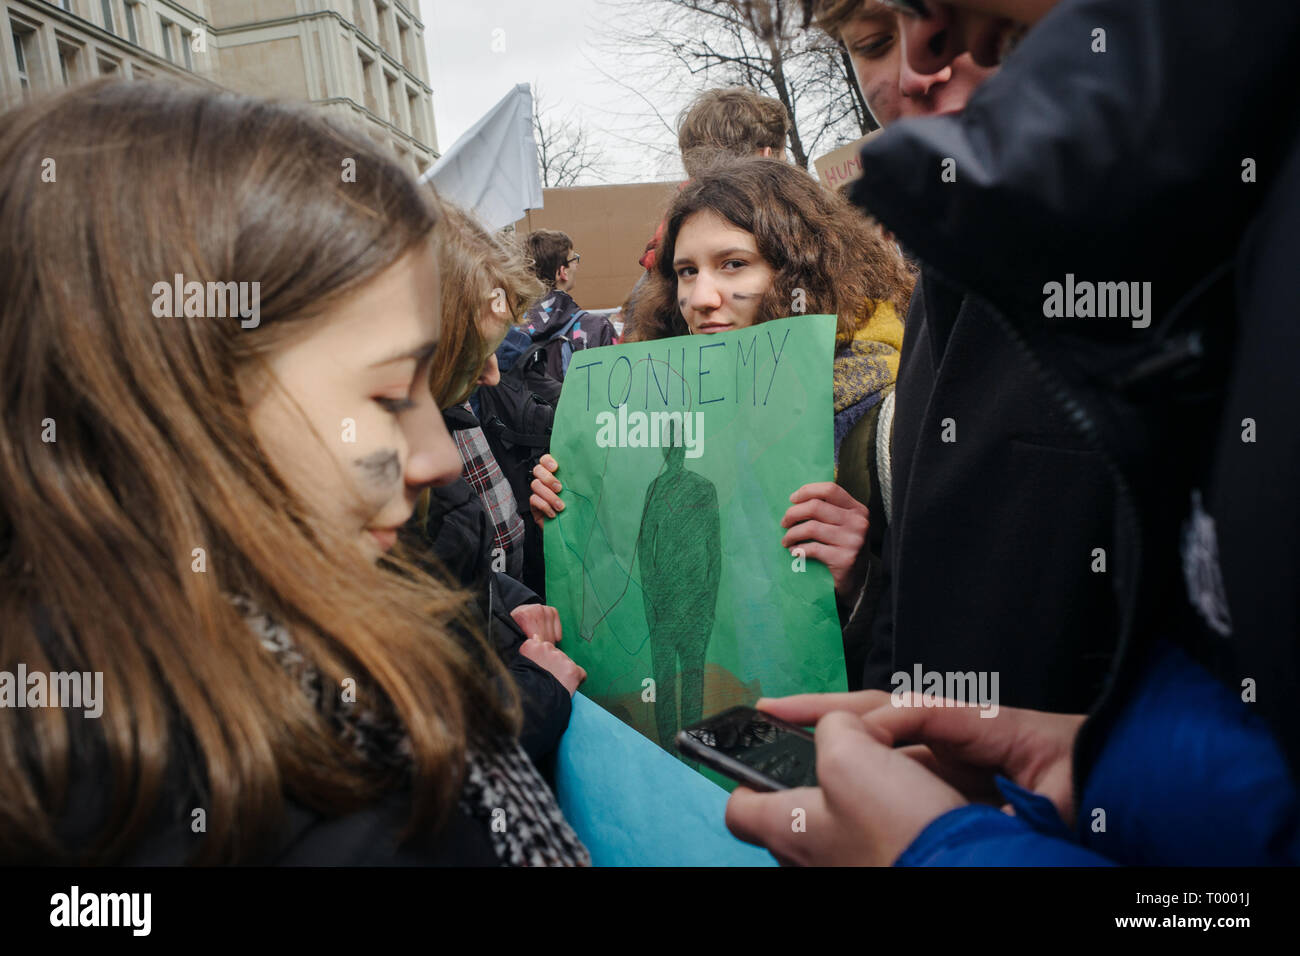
(68, 62)
(358, 15)
(381, 21)
(167, 39)
(140, 73)
(132, 33)
(390, 88)
(368, 83)
(106, 7)
(404, 44)
(185, 49)
(413, 105)
(108, 67)
(24, 44)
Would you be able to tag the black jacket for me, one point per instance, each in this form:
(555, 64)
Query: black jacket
(306, 837)
(1122, 166)
(457, 532)
(998, 505)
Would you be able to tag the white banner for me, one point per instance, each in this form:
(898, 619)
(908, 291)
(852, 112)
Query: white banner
(492, 169)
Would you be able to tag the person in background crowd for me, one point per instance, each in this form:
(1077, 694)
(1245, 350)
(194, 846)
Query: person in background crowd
(485, 277)
(729, 123)
(1192, 757)
(740, 239)
(467, 526)
(196, 503)
(557, 319)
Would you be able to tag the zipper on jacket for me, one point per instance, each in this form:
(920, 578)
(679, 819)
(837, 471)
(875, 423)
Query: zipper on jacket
(1086, 425)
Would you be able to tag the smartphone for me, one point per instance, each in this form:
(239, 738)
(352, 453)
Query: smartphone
(761, 751)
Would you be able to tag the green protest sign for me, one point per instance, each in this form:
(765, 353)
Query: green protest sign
(678, 458)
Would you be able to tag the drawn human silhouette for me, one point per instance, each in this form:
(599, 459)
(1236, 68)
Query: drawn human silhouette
(680, 548)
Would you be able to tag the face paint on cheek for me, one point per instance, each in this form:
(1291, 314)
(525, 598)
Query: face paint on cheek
(380, 470)
(681, 304)
(744, 296)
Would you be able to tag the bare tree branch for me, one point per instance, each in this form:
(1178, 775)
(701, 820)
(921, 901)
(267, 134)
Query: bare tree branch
(564, 152)
(678, 48)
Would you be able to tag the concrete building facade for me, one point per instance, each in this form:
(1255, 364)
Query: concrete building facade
(361, 58)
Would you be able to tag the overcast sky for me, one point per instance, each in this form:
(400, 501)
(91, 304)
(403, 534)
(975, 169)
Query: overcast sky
(554, 45)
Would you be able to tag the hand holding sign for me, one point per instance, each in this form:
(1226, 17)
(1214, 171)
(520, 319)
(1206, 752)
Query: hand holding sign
(830, 525)
(545, 499)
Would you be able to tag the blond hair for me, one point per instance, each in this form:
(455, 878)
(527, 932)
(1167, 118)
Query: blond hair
(734, 122)
(481, 275)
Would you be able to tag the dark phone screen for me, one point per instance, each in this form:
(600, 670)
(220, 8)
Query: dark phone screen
(746, 735)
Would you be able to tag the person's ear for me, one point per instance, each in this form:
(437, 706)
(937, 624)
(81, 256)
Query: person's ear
(930, 44)
(766, 152)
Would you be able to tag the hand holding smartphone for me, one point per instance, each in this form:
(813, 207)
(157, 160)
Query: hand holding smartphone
(761, 751)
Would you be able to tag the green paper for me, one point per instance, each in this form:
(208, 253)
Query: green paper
(666, 563)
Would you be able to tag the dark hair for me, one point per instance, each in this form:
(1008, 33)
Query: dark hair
(549, 249)
(811, 237)
(776, 18)
(832, 16)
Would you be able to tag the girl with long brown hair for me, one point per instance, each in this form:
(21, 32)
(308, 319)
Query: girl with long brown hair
(196, 500)
(751, 240)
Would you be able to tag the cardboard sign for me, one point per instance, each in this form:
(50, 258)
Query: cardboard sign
(841, 166)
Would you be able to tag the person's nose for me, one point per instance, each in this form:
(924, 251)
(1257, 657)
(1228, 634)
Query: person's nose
(491, 372)
(434, 458)
(913, 85)
(929, 44)
(705, 295)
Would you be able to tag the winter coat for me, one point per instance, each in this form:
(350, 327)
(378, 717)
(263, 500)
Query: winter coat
(456, 530)
(368, 836)
(307, 837)
(1103, 167)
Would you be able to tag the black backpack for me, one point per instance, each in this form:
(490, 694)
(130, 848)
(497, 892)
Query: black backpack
(517, 415)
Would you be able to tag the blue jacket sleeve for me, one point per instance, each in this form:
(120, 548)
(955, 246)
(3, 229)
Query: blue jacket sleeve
(979, 835)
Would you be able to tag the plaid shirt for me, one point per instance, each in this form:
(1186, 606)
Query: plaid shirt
(484, 474)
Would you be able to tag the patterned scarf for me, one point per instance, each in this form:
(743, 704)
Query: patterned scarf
(500, 777)
(484, 473)
(865, 369)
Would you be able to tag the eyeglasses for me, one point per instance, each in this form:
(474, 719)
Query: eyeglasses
(574, 258)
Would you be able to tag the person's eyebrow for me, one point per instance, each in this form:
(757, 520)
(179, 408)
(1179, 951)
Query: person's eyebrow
(420, 353)
(720, 254)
